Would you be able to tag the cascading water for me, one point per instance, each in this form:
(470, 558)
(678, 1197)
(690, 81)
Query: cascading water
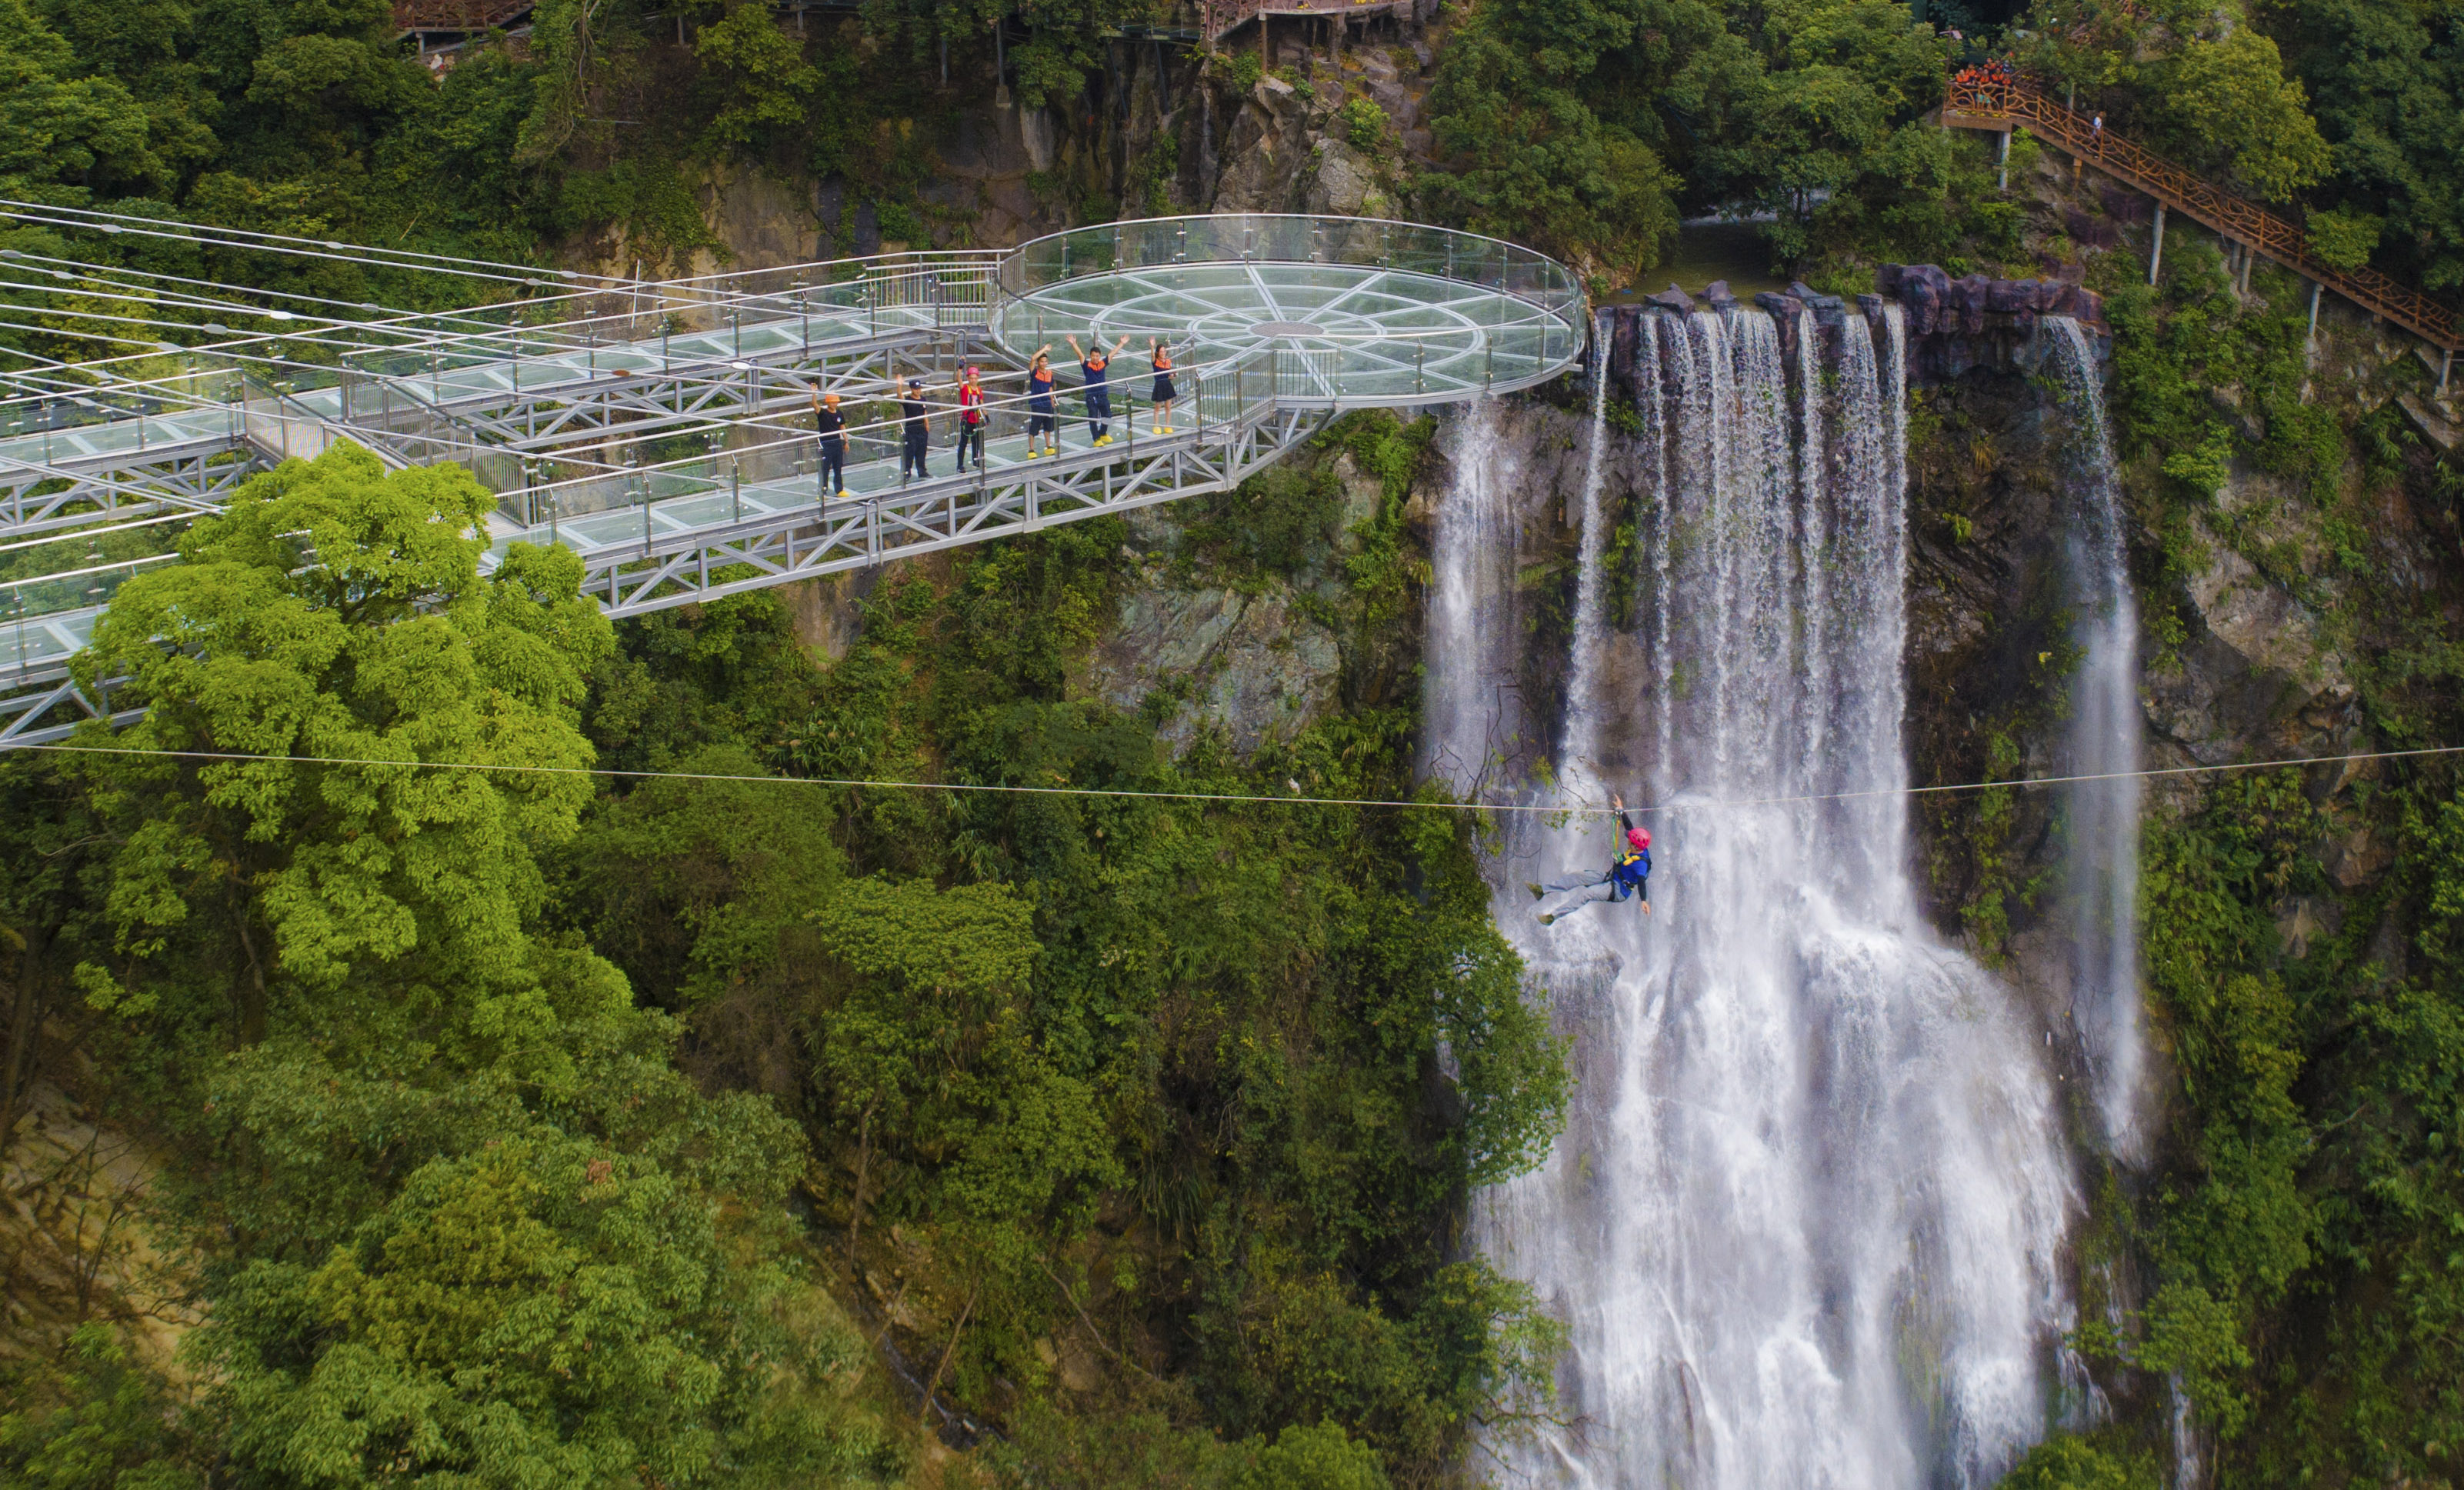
(2101, 893)
(1473, 716)
(1583, 722)
(1804, 1219)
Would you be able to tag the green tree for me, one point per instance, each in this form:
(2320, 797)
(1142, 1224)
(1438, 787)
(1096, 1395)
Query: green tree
(2069, 1462)
(2342, 240)
(335, 615)
(94, 1420)
(544, 1309)
(1533, 157)
(763, 79)
(63, 135)
(2387, 79)
(1320, 1458)
(2232, 100)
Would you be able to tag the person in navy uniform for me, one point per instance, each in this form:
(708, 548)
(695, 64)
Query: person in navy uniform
(1094, 366)
(831, 427)
(914, 431)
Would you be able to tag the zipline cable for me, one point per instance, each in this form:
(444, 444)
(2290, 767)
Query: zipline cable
(1571, 809)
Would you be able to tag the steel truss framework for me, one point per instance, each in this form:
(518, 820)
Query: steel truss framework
(577, 425)
(936, 514)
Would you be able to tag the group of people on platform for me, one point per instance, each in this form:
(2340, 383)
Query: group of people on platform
(1042, 415)
(1994, 73)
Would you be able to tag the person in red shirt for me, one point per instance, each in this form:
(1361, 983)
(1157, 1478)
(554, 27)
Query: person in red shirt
(971, 418)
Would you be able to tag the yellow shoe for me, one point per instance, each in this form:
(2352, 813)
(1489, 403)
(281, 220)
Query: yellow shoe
(1163, 428)
(1104, 439)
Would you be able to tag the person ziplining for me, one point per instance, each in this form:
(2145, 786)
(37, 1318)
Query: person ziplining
(1627, 879)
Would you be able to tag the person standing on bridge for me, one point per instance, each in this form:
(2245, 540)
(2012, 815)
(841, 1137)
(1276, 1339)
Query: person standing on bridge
(1093, 362)
(1039, 403)
(831, 427)
(971, 419)
(1159, 358)
(913, 430)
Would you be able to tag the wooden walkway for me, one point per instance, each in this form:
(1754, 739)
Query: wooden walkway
(456, 17)
(1219, 18)
(1998, 104)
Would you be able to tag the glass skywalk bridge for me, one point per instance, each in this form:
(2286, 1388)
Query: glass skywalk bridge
(664, 431)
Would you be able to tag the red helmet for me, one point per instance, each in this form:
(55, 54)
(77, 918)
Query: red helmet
(1638, 839)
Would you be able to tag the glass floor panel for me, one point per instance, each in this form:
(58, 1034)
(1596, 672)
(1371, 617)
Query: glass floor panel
(1369, 331)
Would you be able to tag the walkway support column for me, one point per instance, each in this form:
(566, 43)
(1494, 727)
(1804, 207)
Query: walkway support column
(2312, 334)
(2156, 245)
(2002, 163)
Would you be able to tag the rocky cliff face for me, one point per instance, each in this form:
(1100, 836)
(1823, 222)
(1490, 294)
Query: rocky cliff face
(1159, 131)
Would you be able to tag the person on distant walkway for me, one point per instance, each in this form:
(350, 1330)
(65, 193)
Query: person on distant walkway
(1039, 403)
(2096, 131)
(913, 428)
(1093, 362)
(971, 418)
(1159, 358)
(831, 427)
(1629, 876)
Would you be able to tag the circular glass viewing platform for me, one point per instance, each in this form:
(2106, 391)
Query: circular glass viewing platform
(1354, 312)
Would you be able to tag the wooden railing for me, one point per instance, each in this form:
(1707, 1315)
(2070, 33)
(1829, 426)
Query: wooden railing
(457, 16)
(1220, 17)
(1999, 102)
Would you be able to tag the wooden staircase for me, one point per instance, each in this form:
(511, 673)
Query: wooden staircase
(2000, 103)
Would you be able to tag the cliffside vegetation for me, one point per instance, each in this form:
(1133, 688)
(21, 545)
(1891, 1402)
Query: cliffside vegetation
(728, 1126)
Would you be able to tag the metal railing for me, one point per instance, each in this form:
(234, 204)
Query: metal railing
(1411, 248)
(27, 645)
(1214, 403)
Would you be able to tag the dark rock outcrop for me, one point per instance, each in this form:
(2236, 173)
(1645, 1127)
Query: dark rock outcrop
(1979, 321)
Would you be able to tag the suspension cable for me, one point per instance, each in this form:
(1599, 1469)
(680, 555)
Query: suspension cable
(1296, 800)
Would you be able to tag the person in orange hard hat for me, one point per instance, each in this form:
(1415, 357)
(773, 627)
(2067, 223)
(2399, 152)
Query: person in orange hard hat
(1628, 878)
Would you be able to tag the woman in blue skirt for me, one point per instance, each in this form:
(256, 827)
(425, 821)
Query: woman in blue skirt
(1159, 356)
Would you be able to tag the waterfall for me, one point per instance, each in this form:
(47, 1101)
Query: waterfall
(1804, 1217)
(1582, 721)
(2101, 893)
(1473, 715)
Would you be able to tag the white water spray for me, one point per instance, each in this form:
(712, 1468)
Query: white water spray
(1582, 721)
(1473, 718)
(1805, 1215)
(2101, 897)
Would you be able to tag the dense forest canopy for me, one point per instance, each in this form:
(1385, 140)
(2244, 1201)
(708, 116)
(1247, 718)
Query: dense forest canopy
(551, 1128)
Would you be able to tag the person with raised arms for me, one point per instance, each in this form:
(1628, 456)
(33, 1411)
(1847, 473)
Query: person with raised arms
(1094, 366)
